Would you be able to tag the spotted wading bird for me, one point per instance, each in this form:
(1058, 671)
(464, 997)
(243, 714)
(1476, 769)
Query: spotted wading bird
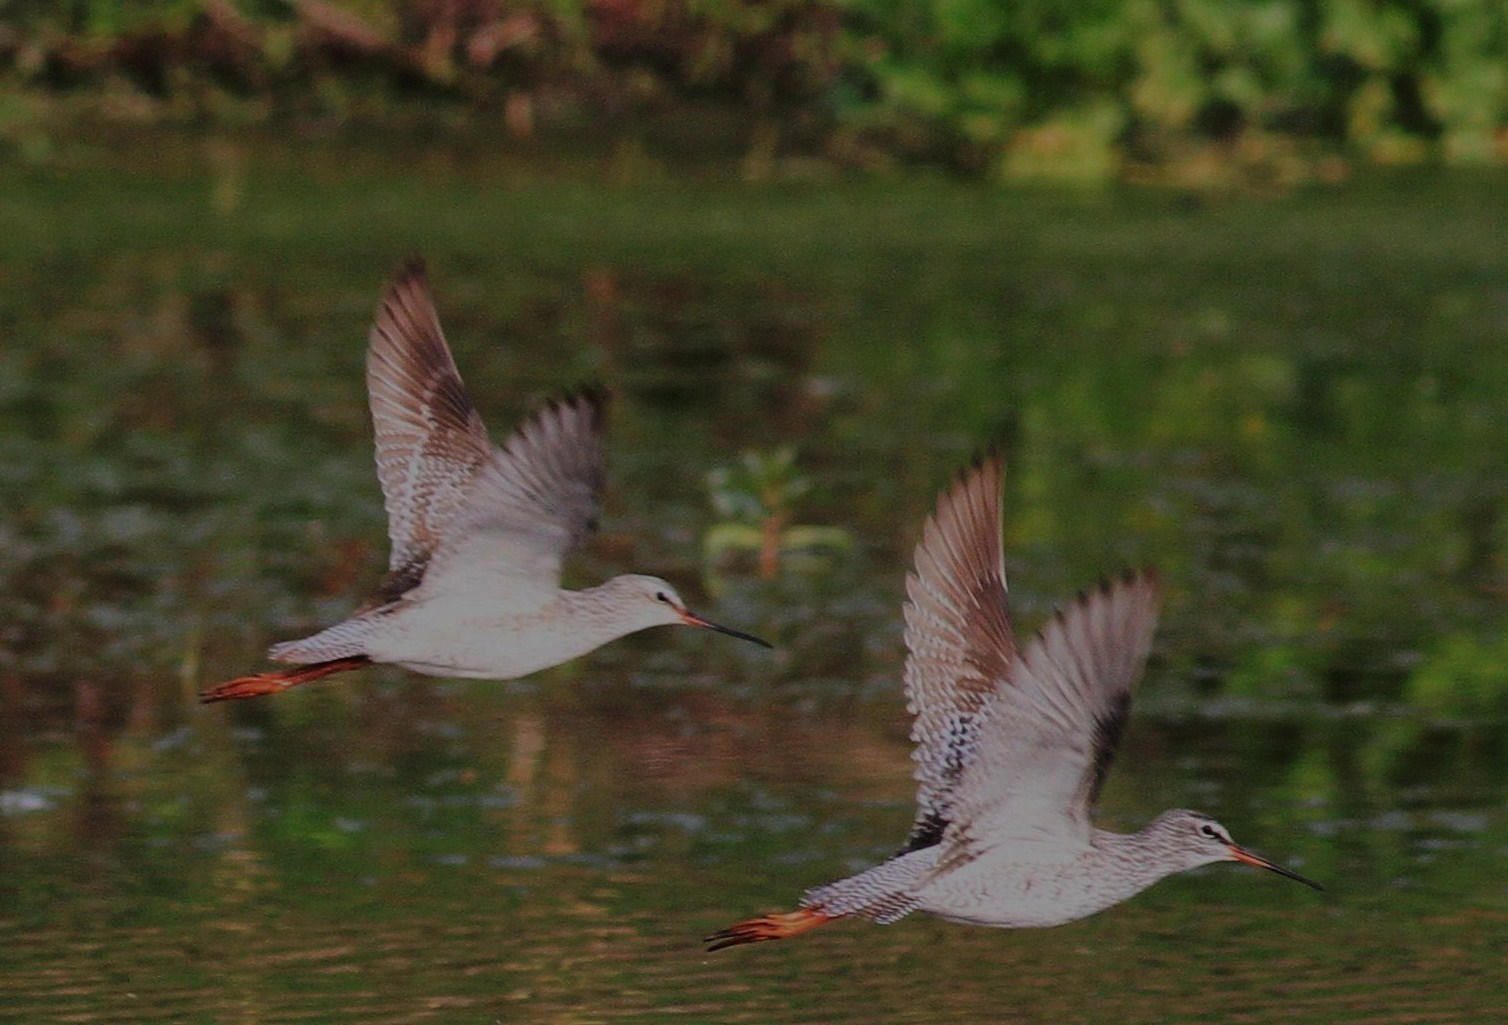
(1011, 750)
(478, 533)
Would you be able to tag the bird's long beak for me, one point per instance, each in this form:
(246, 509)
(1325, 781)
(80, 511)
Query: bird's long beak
(1247, 857)
(692, 619)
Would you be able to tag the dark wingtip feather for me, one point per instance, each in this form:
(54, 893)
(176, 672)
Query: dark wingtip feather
(406, 294)
(412, 271)
(1105, 586)
(1147, 577)
(988, 454)
(988, 458)
(1109, 727)
(592, 397)
(595, 396)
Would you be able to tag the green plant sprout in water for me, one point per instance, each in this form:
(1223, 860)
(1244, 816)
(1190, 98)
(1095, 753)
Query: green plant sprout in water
(755, 501)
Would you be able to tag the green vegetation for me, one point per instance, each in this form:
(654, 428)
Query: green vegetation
(1199, 92)
(755, 501)
(1293, 407)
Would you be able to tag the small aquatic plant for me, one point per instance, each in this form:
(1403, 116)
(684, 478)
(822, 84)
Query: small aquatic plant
(755, 500)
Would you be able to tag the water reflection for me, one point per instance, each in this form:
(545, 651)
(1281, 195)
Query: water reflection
(1238, 396)
(554, 852)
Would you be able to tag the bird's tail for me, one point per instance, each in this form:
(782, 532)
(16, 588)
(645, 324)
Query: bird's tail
(343, 640)
(881, 894)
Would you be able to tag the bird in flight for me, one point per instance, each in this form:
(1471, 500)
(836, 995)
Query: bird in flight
(1012, 747)
(478, 532)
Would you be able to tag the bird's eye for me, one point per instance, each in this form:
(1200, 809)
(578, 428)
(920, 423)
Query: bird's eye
(1209, 831)
(660, 596)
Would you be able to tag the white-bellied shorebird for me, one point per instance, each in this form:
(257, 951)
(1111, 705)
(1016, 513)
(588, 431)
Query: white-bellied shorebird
(1011, 750)
(478, 533)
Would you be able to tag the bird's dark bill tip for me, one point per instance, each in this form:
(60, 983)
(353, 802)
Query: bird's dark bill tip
(1248, 858)
(1296, 877)
(692, 619)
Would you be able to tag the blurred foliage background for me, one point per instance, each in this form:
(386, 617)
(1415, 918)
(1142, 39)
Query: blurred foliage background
(1192, 91)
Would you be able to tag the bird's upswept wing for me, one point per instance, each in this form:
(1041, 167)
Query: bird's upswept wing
(534, 501)
(456, 505)
(1048, 736)
(959, 642)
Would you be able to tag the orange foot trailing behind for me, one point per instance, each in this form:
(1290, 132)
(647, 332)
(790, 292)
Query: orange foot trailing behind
(280, 680)
(768, 927)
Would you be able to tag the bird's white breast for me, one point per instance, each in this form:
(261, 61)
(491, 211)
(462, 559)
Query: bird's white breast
(1019, 894)
(450, 638)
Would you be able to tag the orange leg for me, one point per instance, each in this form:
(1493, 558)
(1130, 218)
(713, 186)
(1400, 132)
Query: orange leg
(768, 927)
(279, 680)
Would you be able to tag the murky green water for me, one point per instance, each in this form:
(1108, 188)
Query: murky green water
(1293, 406)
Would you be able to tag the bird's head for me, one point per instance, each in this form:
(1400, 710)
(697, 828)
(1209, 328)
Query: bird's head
(654, 602)
(1196, 839)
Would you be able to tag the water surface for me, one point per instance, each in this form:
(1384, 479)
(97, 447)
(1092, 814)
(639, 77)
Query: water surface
(1292, 405)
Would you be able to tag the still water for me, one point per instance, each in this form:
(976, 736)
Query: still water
(1290, 404)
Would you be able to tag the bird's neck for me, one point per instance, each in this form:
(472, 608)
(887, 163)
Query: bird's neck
(598, 615)
(1133, 861)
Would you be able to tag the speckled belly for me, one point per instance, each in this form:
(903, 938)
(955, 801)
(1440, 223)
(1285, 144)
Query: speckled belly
(1024, 897)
